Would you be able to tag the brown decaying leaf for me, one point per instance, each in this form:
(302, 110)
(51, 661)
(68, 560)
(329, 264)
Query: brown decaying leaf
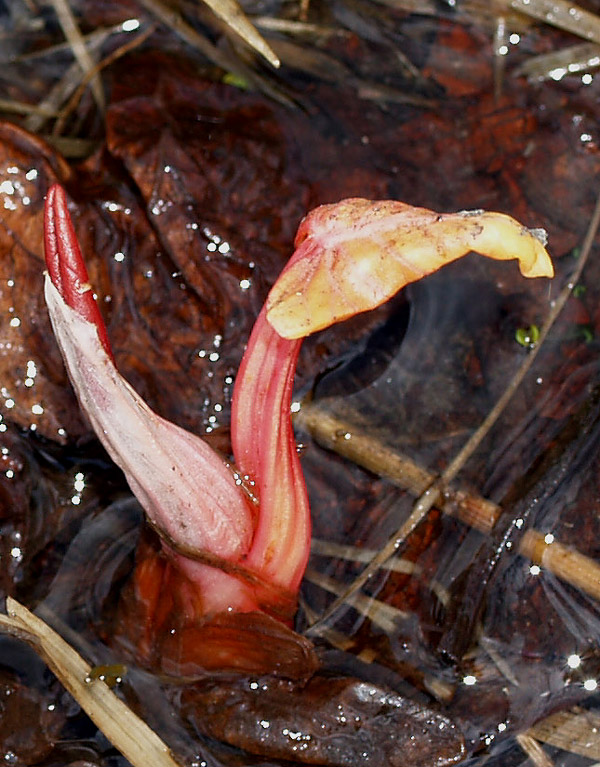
(197, 349)
(31, 372)
(335, 720)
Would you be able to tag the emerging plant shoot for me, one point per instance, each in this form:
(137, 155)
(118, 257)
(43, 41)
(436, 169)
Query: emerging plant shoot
(222, 557)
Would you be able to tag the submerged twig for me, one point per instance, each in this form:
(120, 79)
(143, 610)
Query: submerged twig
(537, 755)
(356, 554)
(425, 7)
(568, 61)
(569, 565)
(498, 660)
(92, 73)
(20, 107)
(127, 732)
(500, 47)
(433, 495)
(92, 39)
(333, 433)
(346, 597)
(562, 14)
(80, 50)
(335, 638)
(379, 613)
(173, 19)
(394, 564)
(71, 147)
(293, 27)
(61, 90)
(385, 616)
(576, 730)
(231, 13)
(325, 67)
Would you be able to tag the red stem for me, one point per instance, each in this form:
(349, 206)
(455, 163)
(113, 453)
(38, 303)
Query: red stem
(264, 448)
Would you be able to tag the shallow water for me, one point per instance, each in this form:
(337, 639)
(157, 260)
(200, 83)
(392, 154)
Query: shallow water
(187, 215)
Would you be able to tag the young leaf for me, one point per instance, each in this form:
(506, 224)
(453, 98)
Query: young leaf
(356, 254)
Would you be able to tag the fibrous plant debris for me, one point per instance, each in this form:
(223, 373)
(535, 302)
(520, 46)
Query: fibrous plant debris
(136, 741)
(302, 46)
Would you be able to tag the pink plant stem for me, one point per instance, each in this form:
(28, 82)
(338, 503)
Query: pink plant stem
(265, 449)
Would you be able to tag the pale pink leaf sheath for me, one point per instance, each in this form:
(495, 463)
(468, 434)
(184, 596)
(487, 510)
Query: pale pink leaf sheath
(184, 487)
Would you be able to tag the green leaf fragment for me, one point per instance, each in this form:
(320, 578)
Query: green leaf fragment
(528, 337)
(229, 78)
